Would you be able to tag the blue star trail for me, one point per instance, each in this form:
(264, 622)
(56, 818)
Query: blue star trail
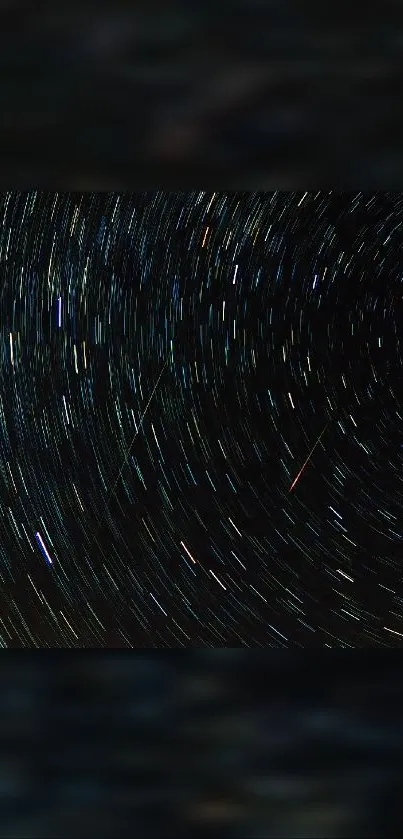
(172, 366)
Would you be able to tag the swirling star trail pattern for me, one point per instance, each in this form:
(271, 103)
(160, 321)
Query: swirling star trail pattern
(167, 361)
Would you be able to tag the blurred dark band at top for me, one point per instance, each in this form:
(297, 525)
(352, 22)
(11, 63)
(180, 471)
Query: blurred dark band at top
(242, 94)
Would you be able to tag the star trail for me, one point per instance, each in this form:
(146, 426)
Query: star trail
(168, 361)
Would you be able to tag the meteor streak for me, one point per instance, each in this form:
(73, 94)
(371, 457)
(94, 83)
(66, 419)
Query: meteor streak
(308, 459)
(126, 457)
(138, 429)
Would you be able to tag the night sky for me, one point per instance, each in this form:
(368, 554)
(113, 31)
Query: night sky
(168, 363)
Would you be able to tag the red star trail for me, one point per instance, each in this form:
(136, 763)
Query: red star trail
(295, 481)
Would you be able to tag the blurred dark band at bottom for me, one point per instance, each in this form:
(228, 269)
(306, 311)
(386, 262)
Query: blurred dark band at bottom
(215, 744)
